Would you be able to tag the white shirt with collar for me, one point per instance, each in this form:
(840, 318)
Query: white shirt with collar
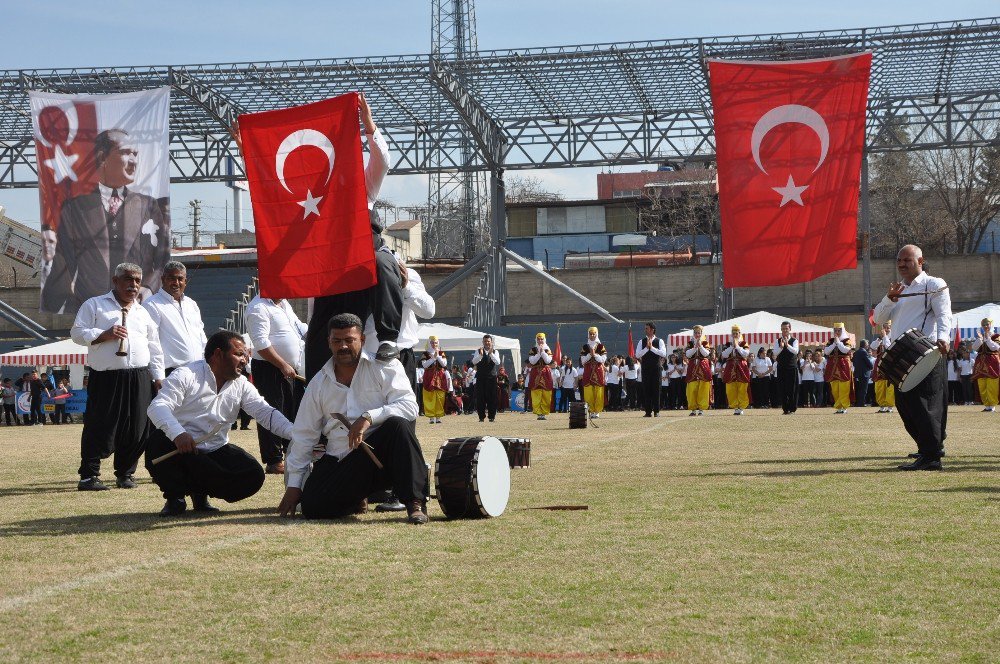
(494, 355)
(107, 192)
(380, 389)
(182, 332)
(378, 165)
(792, 347)
(275, 326)
(190, 401)
(929, 312)
(614, 375)
(657, 347)
(417, 302)
(142, 347)
(569, 377)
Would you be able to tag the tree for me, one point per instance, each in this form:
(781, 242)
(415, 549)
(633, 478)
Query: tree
(527, 189)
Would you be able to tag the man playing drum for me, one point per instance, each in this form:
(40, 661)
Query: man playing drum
(921, 301)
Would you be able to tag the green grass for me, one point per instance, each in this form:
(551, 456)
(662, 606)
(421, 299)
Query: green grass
(706, 539)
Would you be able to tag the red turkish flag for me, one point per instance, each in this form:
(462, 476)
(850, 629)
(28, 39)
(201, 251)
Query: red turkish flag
(789, 142)
(64, 146)
(307, 186)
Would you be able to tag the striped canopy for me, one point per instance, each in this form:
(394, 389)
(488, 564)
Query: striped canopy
(58, 353)
(759, 329)
(968, 322)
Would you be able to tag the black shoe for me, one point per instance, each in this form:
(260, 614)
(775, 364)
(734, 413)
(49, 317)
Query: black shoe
(199, 503)
(914, 455)
(91, 484)
(381, 497)
(922, 464)
(174, 507)
(648, 415)
(125, 482)
(387, 352)
(390, 505)
(491, 419)
(483, 419)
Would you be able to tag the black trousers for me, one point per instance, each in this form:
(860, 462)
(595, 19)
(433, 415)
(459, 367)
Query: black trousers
(409, 362)
(651, 392)
(383, 302)
(566, 397)
(860, 392)
(9, 413)
(614, 396)
(35, 410)
(678, 393)
(633, 393)
(924, 411)
(486, 397)
(788, 388)
(280, 393)
(115, 421)
(955, 392)
(334, 488)
(719, 389)
(665, 397)
(228, 473)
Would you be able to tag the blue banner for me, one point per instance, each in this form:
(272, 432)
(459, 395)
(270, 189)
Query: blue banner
(517, 400)
(75, 403)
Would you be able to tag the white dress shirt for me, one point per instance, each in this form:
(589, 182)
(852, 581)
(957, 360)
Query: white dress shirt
(676, 370)
(494, 355)
(182, 332)
(416, 302)
(762, 366)
(929, 312)
(806, 368)
(380, 389)
(142, 347)
(819, 371)
(952, 371)
(664, 377)
(377, 166)
(190, 401)
(275, 326)
(633, 373)
(985, 341)
(792, 346)
(657, 347)
(966, 366)
(614, 375)
(569, 378)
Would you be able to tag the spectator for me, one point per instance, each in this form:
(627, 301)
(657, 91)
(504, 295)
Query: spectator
(615, 384)
(863, 366)
(631, 384)
(772, 381)
(61, 416)
(806, 393)
(567, 384)
(35, 387)
(966, 363)
(503, 390)
(760, 379)
(665, 384)
(8, 395)
(718, 385)
(819, 378)
(954, 379)
(677, 370)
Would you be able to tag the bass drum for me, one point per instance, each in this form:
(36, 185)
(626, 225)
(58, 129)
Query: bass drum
(909, 359)
(472, 478)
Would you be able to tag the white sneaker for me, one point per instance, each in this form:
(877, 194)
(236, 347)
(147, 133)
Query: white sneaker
(700, 412)
(597, 416)
(888, 410)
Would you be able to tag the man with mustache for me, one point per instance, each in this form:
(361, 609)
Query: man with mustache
(178, 319)
(125, 363)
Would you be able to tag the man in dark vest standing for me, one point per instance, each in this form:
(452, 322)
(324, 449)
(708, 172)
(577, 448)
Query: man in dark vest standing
(487, 363)
(786, 354)
(649, 351)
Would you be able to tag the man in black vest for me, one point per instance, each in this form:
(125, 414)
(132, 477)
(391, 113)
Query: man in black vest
(649, 351)
(786, 354)
(487, 363)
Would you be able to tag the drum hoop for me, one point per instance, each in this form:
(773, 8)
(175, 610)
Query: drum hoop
(914, 365)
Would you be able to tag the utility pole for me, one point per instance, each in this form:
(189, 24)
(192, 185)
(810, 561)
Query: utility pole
(196, 220)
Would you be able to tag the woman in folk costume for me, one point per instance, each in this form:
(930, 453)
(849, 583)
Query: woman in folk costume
(541, 383)
(503, 390)
(736, 372)
(592, 359)
(986, 370)
(699, 372)
(839, 371)
(435, 385)
(885, 393)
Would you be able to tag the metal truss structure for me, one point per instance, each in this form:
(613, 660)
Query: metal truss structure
(552, 107)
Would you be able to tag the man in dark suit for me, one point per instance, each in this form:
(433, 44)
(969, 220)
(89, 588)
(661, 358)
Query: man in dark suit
(864, 363)
(111, 225)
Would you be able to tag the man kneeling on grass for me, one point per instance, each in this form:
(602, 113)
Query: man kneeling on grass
(192, 414)
(355, 401)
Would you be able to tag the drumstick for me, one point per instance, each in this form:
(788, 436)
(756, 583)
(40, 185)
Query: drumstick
(300, 378)
(365, 446)
(215, 430)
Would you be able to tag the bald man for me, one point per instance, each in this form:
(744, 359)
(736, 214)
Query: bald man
(921, 301)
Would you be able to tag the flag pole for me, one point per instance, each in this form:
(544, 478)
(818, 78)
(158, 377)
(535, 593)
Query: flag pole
(866, 247)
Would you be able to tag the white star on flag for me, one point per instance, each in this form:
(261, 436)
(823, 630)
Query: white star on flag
(790, 192)
(310, 205)
(62, 165)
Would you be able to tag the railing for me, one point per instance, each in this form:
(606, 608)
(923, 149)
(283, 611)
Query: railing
(237, 321)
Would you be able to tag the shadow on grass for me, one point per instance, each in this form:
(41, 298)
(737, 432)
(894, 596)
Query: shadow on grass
(950, 466)
(964, 489)
(827, 460)
(138, 522)
(61, 486)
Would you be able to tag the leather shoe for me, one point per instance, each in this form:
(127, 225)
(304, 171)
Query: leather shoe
(392, 504)
(415, 513)
(387, 352)
(922, 464)
(277, 468)
(91, 484)
(125, 482)
(361, 508)
(914, 455)
(199, 503)
(381, 496)
(174, 507)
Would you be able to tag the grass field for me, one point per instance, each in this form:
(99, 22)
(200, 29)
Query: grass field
(706, 539)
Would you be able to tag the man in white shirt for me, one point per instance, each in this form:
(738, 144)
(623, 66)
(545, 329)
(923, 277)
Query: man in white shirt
(649, 350)
(126, 362)
(786, 355)
(192, 414)
(921, 301)
(276, 333)
(384, 300)
(486, 361)
(178, 319)
(353, 401)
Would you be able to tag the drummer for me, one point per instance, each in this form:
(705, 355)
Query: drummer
(378, 402)
(921, 301)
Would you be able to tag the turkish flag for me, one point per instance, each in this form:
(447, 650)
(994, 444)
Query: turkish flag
(631, 343)
(64, 146)
(789, 142)
(307, 187)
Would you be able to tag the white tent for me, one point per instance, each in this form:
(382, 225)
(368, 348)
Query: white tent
(59, 353)
(968, 322)
(759, 329)
(464, 339)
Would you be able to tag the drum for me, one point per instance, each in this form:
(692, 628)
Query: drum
(579, 415)
(472, 478)
(518, 451)
(909, 359)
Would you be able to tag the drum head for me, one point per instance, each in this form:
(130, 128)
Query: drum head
(924, 366)
(492, 477)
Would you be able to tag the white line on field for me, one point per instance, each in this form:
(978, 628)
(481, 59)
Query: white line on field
(604, 441)
(45, 592)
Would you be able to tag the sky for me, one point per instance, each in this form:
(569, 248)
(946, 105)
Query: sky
(66, 33)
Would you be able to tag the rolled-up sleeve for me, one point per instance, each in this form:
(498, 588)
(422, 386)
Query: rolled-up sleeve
(305, 434)
(169, 398)
(378, 164)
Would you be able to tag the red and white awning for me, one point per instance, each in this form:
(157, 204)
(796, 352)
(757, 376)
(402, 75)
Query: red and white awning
(65, 352)
(759, 329)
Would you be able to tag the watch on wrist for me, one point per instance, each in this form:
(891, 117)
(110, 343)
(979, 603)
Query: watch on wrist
(367, 416)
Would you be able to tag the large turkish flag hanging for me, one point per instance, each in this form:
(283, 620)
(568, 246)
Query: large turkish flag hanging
(789, 141)
(307, 187)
